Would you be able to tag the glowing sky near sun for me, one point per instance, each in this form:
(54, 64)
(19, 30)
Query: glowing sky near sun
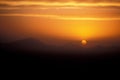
(73, 19)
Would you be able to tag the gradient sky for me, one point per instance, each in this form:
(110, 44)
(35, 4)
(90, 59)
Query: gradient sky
(67, 19)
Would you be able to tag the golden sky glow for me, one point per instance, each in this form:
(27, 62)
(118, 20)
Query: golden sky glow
(72, 3)
(66, 29)
(70, 20)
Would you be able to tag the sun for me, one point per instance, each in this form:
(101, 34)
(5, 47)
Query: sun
(83, 42)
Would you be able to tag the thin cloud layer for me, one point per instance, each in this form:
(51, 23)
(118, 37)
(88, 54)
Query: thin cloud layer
(51, 8)
(41, 3)
(69, 0)
(62, 17)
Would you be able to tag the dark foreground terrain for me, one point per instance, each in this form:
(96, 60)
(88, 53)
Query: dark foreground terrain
(22, 53)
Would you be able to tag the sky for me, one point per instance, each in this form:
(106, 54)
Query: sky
(69, 0)
(66, 19)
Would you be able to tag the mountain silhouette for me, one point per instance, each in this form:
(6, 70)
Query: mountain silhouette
(70, 54)
(25, 44)
(31, 44)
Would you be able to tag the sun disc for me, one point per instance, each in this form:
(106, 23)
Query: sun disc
(83, 42)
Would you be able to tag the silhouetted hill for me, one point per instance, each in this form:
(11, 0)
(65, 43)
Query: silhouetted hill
(31, 44)
(25, 44)
(71, 54)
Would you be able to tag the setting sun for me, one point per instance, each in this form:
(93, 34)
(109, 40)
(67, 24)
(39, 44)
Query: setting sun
(83, 42)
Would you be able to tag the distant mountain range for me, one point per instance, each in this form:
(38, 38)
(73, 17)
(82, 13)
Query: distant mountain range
(31, 44)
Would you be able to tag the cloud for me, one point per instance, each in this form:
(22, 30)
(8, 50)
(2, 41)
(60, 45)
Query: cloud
(4, 5)
(61, 17)
(75, 4)
(68, 0)
(98, 0)
(54, 6)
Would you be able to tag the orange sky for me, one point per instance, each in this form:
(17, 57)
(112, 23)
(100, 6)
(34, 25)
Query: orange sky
(66, 29)
(70, 20)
